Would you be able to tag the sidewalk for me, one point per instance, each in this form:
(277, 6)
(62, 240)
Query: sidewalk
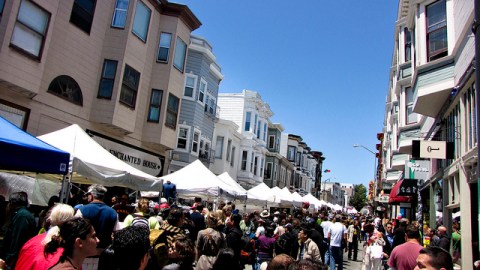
(354, 265)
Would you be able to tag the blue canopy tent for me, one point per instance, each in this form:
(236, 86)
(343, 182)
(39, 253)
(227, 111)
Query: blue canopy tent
(20, 151)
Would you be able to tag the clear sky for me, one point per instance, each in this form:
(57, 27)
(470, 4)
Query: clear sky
(322, 66)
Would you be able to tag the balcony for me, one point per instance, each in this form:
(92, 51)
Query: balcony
(430, 97)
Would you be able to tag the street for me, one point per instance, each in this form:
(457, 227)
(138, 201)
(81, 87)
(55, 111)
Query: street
(354, 265)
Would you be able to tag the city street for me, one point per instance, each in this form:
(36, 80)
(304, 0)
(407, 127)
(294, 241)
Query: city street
(354, 265)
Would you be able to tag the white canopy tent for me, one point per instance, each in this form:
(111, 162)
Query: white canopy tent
(312, 200)
(297, 198)
(337, 207)
(285, 199)
(227, 179)
(91, 163)
(196, 180)
(39, 191)
(352, 210)
(261, 194)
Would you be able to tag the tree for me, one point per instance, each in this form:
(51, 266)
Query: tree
(359, 198)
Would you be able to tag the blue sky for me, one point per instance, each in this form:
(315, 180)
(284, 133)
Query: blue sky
(322, 66)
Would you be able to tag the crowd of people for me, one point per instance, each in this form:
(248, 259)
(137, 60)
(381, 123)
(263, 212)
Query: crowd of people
(164, 235)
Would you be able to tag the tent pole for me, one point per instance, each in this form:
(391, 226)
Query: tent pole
(62, 190)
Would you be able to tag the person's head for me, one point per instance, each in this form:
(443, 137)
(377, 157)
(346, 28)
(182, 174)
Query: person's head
(124, 199)
(199, 207)
(18, 199)
(114, 200)
(442, 230)
(389, 228)
(280, 262)
(184, 251)
(338, 218)
(212, 220)
(224, 259)
(434, 258)
(143, 205)
(412, 232)
(288, 227)
(304, 234)
(307, 264)
(455, 227)
(269, 231)
(131, 246)
(221, 204)
(175, 217)
(77, 236)
(56, 217)
(236, 218)
(96, 192)
(432, 232)
(53, 200)
(227, 210)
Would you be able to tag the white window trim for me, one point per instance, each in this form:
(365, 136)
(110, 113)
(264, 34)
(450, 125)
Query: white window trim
(180, 126)
(195, 78)
(202, 80)
(196, 130)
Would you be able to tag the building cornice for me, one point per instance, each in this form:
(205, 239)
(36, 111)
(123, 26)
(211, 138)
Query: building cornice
(180, 11)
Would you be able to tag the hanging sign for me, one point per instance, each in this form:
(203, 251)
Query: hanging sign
(409, 187)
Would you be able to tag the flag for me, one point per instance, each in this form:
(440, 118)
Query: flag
(326, 171)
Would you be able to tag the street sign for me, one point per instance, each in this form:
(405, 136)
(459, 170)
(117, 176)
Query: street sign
(409, 187)
(432, 149)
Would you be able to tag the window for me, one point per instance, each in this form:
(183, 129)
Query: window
(255, 123)
(232, 158)
(411, 116)
(291, 153)
(190, 82)
(229, 149)
(265, 131)
(268, 170)
(105, 88)
(255, 166)
(219, 147)
(155, 105)
(244, 160)
(271, 141)
(248, 117)
(164, 47)
(2, 5)
(14, 113)
(437, 30)
(30, 29)
(141, 21)
(172, 111)
(210, 104)
(201, 90)
(275, 169)
(120, 13)
(262, 165)
(251, 162)
(82, 14)
(204, 149)
(259, 126)
(195, 141)
(471, 116)
(408, 44)
(180, 52)
(131, 79)
(182, 140)
(67, 88)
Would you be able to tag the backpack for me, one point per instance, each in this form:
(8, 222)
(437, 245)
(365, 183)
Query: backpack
(281, 245)
(247, 252)
(158, 240)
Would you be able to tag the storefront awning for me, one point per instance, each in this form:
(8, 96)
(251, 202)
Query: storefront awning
(395, 198)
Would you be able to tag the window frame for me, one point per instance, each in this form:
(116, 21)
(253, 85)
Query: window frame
(232, 157)
(172, 112)
(248, 121)
(186, 138)
(194, 88)
(90, 22)
(138, 35)
(23, 24)
(219, 152)
(204, 92)
(151, 106)
(103, 78)
(65, 95)
(271, 142)
(409, 92)
(229, 150)
(268, 170)
(115, 12)
(407, 38)
(179, 41)
(129, 87)
(439, 53)
(195, 131)
(160, 47)
(243, 165)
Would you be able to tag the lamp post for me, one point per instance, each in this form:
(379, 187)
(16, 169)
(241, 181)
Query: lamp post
(374, 163)
(323, 189)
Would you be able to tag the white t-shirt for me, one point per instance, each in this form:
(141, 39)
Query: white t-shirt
(325, 226)
(336, 231)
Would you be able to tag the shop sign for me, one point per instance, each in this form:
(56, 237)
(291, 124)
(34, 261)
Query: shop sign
(417, 169)
(432, 149)
(409, 187)
(146, 162)
(383, 199)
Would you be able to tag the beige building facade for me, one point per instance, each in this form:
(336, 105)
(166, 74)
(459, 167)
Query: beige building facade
(116, 68)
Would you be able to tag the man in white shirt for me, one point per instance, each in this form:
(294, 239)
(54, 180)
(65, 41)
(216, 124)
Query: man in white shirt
(324, 250)
(336, 232)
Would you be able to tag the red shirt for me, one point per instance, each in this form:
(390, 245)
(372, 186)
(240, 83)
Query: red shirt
(32, 256)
